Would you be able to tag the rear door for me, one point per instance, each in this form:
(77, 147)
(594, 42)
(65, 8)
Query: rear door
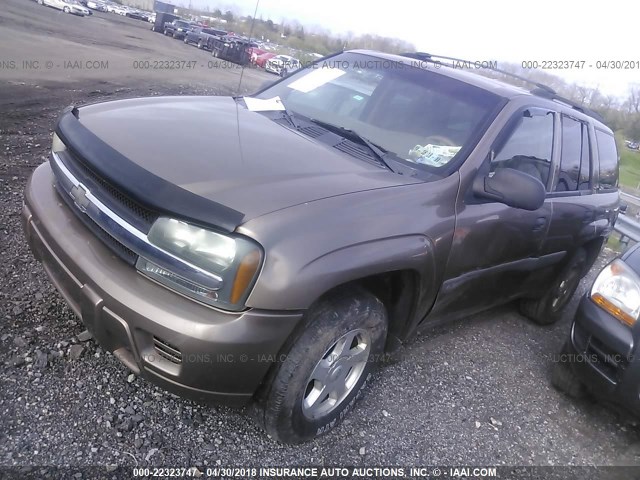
(572, 189)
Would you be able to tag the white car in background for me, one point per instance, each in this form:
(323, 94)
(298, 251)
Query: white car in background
(67, 6)
(282, 65)
(97, 5)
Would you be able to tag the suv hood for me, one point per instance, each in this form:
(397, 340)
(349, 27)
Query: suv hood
(222, 152)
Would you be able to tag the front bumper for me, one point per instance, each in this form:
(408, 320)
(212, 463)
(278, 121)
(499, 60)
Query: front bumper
(602, 355)
(179, 344)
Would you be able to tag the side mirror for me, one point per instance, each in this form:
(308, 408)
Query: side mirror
(511, 187)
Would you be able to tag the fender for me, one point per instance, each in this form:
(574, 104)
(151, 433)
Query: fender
(299, 288)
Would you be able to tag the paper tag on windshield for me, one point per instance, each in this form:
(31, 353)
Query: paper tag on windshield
(434, 155)
(266, 105)
(315, 79)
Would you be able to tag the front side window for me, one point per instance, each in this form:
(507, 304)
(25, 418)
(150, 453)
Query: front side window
(574, 157)
(529, 145)
(608, 154)
(415, 115)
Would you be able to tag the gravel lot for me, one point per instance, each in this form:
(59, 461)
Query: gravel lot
(475, 392)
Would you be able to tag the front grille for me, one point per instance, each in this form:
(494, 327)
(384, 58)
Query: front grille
(167, 351)
(114, 245)
(133, 212)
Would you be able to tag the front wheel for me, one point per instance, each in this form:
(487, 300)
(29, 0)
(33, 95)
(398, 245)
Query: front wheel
(66, 10)
(328, 366)
(549, 308)
(200, 44)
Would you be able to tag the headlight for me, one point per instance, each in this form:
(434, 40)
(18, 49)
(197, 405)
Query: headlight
(227, 265)
(57, 145)
(617, 290)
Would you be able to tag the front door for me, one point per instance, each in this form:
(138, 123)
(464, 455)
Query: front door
(495, 250)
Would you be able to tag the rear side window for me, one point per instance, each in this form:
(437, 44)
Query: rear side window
(574, 157)
(529, 147)
(608, 160)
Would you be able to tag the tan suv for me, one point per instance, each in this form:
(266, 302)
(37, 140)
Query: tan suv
(298, 234)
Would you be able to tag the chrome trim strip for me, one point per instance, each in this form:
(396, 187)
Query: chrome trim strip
(128, 235)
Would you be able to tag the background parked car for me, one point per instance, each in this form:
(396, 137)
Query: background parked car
(254, 53)
(138, 15)
(282, 65)
(67, 6)
(97, 5)
(203, 36)
(232, 48)
(261, 60)
(161, 19)
(177, 28)
(600, 356)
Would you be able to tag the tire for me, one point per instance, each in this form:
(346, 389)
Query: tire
(41, 2)
(175, 35)
(548, 309)
(200, 46)
(293, 406)
(214, 53)
(66, 10)
(564, 380)
(166, 32)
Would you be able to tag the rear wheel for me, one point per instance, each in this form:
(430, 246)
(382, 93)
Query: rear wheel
(166, 32)
(549, 308)
(317, 382)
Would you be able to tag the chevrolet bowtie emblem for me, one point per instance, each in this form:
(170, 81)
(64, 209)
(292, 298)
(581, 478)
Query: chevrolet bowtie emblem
(79, 195)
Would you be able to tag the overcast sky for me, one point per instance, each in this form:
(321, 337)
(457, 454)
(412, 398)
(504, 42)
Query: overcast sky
(488, 29)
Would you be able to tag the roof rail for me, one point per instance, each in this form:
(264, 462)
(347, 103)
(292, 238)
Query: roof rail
(428, 57)
(540, 90)
(570, 103)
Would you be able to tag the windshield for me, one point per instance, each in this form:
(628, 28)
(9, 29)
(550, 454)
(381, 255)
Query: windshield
(420, 116)
(182, 24)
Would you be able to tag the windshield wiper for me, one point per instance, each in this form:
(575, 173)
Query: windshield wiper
(378, 152)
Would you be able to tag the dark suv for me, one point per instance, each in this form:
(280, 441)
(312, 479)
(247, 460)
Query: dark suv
(307, 229)
(177, 28)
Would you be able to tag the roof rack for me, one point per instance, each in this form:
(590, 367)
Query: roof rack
(540, 90)
(570, 103)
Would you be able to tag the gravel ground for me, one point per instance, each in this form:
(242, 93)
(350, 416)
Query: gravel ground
(474, 392)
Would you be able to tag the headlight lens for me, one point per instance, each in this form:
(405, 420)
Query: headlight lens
(233, 261)
(617, 290)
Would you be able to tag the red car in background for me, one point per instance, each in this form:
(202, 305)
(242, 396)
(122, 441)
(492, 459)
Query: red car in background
(261, 60)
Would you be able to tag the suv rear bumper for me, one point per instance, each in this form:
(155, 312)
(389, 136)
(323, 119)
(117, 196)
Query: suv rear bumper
(181, 345)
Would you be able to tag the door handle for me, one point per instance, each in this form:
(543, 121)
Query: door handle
(539, 224)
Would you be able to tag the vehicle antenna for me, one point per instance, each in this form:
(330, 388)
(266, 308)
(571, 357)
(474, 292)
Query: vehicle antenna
(253, 21)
